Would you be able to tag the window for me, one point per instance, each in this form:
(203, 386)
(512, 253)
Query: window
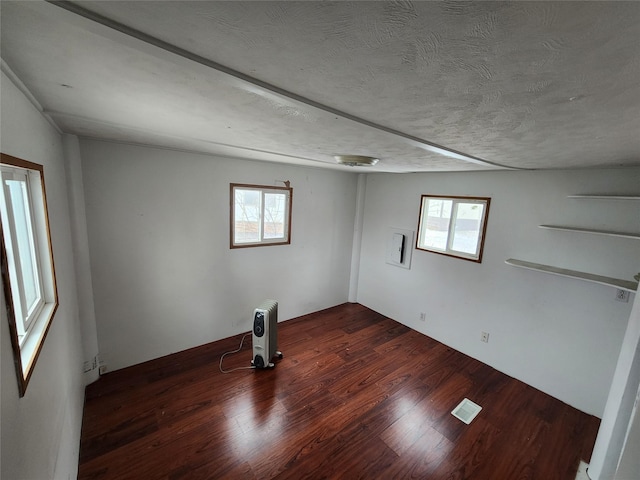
(453, 226)
(260, 215)
(27, 261)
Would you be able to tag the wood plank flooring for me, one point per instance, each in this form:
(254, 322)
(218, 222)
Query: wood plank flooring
(357, 395)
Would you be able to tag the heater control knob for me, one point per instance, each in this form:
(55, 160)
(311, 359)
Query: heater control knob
(258, 324)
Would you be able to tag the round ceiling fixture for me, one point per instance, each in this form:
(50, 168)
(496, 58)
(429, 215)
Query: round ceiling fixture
(355, 160)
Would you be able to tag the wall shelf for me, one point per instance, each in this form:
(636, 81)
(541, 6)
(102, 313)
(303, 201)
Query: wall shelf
(619, 283)
(627, 285)
(607, 197)
(589, 230)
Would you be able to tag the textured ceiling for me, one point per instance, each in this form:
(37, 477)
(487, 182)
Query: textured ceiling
(424, 86)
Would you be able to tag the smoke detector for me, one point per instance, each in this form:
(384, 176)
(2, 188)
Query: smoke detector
(356, 160)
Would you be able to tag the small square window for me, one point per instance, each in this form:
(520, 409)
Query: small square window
(453, 226)
(260, 215)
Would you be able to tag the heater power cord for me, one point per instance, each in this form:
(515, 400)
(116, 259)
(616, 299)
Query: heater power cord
(236, 351)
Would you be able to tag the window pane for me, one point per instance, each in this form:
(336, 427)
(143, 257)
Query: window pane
(274, 209)
(247, 216)
(438, 216)
(466, 231)
(26, 245)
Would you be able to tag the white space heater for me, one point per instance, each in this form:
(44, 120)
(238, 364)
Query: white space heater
(265, 334)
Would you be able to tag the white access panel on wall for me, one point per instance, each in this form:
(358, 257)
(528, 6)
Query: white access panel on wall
(399, 247)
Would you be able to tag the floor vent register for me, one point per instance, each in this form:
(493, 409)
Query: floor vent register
(466, 411)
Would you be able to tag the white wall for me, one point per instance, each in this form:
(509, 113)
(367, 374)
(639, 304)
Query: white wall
(164, 278)
(84, 287)
(40, 433)
(629, 466)
(619, 411)
(560, 335)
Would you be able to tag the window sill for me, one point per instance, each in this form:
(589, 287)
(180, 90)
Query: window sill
(31, 345)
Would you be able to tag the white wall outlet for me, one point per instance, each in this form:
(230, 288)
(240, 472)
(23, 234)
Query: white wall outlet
(103, 369)
(423, 317)
(622, 295)
(485, 337)
(91, 364)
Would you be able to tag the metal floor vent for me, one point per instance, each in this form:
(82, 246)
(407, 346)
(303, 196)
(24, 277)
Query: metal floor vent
(466, 411)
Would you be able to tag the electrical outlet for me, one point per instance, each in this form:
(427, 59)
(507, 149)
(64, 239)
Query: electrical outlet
(622, 295)
(423, 317)
(91, 364)
(485, 337)
(102, 370)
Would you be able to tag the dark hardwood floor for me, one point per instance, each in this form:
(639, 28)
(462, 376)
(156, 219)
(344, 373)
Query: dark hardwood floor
(357, 395)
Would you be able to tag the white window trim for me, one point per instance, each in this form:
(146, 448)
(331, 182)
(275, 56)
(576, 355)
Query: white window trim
(27, 347)
(263, 189)
(449, 250)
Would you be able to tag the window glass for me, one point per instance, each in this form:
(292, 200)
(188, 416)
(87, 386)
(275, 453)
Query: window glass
(18, 206)
(247, 208)
(466, 233)
(436, 228)
(274, 205)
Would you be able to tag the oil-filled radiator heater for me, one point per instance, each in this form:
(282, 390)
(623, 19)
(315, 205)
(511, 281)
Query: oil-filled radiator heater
(265, 334)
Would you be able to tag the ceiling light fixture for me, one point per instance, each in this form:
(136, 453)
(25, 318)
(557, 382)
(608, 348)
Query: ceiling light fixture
(355, 160)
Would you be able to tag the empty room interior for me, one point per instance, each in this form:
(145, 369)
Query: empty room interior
(424, 203)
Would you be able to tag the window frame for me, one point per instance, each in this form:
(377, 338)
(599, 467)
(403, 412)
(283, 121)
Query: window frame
(263, 189)
(449, 251)
(27, 337)
(28, 313)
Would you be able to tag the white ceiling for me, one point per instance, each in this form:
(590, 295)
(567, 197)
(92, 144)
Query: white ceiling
(424, 86)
